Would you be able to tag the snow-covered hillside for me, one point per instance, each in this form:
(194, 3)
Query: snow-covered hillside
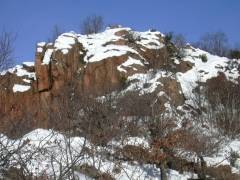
(46, 152)
(52, 153)
(163, 117)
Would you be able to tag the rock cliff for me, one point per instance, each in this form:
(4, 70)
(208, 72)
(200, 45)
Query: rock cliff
(117, 59)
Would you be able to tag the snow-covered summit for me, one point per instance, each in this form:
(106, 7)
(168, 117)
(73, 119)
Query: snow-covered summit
(108, 43)
(137, 50)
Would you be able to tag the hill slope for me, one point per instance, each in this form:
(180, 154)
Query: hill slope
(125, 84)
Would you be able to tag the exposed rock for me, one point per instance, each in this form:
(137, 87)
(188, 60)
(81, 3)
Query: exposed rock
(96, 64)
(184, 66)
(173, 90)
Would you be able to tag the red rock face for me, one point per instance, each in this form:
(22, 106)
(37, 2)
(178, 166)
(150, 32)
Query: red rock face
(31, 108)
(102, 77)
(17, 108)
(43, 73)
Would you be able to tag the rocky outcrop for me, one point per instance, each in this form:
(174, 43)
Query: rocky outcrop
(43, 74)
(115, 60)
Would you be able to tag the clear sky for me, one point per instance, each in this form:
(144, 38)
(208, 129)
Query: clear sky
(33, 20)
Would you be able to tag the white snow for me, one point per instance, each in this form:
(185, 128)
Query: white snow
(29, 63)
(128, 63)
(65, 51)
(99, 47)
(161, 93)
(139, 80)
(19, 71)
(101, 53)
(27, 80)
(150, 40)
(202, 71)
(47, 57)
(48, 144)
(39, 50)
(41, 44)
(20, 88)
(136, 141)
(223, 156)
(51, 151)
(65, 41)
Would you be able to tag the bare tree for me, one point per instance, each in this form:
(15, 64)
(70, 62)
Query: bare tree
(6, 50)
(224, 100)
(15, 154)
(234, 54)
(56, 31)
(179, 40)
(92, 24)
(215, 43)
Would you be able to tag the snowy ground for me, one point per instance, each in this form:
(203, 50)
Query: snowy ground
(49, 152)
(202, 71)
(101, 46)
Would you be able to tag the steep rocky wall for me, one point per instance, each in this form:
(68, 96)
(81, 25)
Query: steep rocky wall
(96, 64)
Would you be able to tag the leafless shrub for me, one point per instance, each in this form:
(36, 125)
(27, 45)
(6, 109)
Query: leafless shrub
(92, 24)
(215, 43)
(178, 44)
(233, 156)
(132, 37)
(224, 101)
(179, 40)
(171, 52)
(234, 54)
(56, 31)
(15, 155)
(84, 115)
(113, 26)
(6, 50)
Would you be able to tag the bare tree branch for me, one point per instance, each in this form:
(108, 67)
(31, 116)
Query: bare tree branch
(6, 50)
(92, 24)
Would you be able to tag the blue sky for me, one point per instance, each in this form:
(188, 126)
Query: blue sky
(33, 20)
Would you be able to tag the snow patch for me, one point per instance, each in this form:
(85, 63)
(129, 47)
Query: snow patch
(146, 83)
(136, 141)
(39, 50)
(65, 42)
(98, 47)
(130, 61)
(150, 40)
(27, 81)
(52, 153)
(30, 64)
(41, 44)
(20, 88)
(19, 71)
(47, 57)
